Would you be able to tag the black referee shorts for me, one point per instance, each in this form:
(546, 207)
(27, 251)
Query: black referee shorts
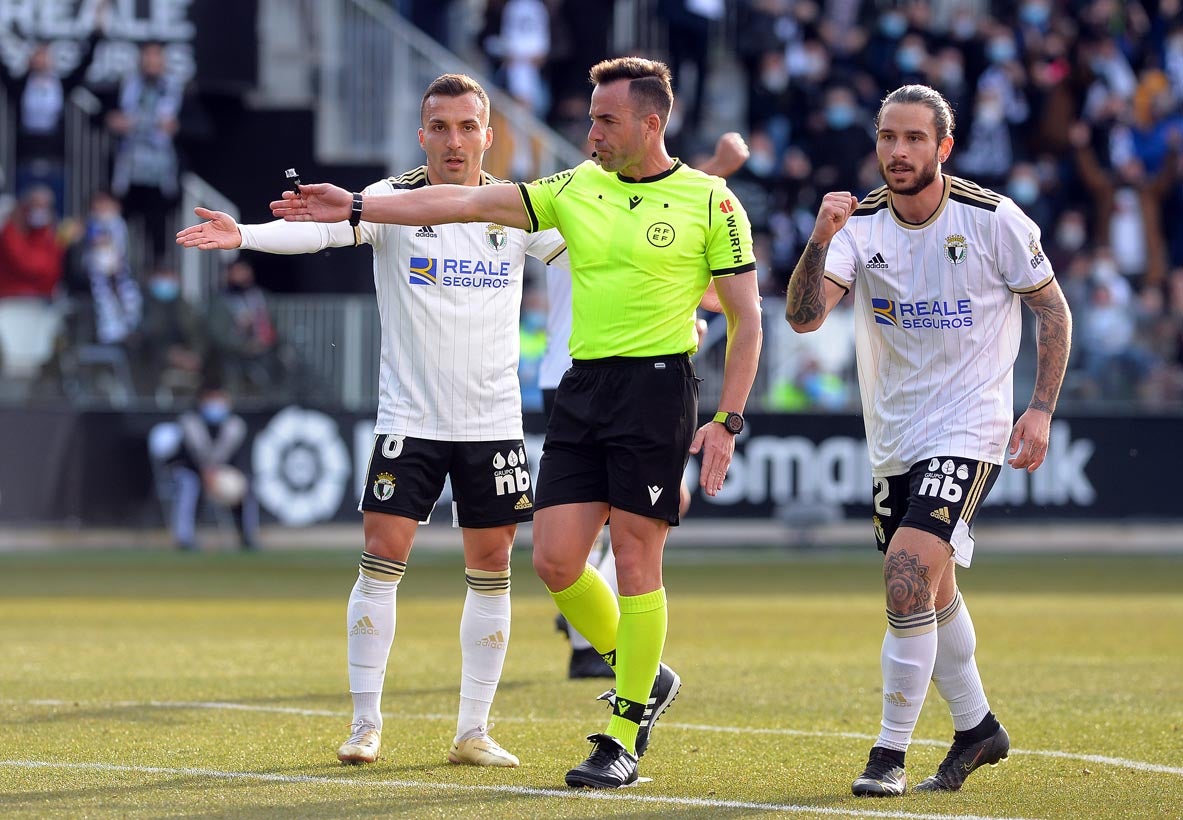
(620, 432)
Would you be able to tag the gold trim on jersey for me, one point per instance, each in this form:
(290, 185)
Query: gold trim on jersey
(836, 281)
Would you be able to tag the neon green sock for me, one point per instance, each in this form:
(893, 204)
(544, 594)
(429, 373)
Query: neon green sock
(590, 606)
(640, 641)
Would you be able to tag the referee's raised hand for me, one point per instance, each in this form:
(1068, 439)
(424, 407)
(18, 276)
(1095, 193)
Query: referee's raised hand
(836, 208)
(319, 202)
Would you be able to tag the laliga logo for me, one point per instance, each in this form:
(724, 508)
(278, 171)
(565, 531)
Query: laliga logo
(301, 466)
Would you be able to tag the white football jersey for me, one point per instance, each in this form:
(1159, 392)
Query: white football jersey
(938, 321)
(557, 359)
(449, 297)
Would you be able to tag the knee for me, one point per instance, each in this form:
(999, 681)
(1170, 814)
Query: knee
(556, 570)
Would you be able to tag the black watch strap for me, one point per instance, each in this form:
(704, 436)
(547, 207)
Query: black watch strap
(355, 214)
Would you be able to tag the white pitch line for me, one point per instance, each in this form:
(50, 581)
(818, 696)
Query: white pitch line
(625, 796)
(1121, 762)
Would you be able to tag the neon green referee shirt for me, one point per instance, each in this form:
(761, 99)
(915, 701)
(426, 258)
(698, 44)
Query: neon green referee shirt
(642, 253)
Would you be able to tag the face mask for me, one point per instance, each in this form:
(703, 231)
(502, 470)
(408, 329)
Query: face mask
(38, 217)
(893, 25)
(1070, 237)
(1000, 51)
(909, 59)
(952, 76)
(775, 79)
(1034, 14)
(1023, 190)
(964, 28)
(761, 163)
(839, 116)
(214, 411)
(165, 290)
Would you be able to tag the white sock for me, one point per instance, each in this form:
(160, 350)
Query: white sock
(369, 625)
(607, 568)
(484, 636)
(909, 651)
(955, 672)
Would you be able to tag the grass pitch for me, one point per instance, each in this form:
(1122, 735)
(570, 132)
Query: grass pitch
(155, 684)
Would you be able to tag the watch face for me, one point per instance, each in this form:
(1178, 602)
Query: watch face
(734, 422)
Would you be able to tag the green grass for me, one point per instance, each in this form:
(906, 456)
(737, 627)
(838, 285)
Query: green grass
(154, 684)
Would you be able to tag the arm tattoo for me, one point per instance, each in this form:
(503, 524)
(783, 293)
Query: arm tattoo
(805, 300)
(908, 588)
(1053, 342)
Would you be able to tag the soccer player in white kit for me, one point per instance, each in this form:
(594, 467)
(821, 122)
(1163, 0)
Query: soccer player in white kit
(449, 297)
(938, 266)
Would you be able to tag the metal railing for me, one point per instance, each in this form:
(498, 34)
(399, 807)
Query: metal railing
(373, 68)
(88, 150)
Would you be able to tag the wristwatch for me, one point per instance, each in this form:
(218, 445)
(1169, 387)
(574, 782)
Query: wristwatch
(732, 422)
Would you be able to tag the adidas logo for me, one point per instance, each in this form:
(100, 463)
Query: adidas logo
(523, 504)
(364, 627)
(895, 698)
(941, 515)
(876, 262)
(426, 232)
(494, 641)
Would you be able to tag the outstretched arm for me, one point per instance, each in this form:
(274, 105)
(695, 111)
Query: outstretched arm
(811, 296)
(429, 205)
(1028, 441)
(219, 231)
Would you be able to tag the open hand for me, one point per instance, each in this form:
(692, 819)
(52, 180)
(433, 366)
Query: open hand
(218, 232)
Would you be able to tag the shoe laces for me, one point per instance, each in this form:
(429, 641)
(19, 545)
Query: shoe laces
(605, 752)
(358, 730)
(879, 764)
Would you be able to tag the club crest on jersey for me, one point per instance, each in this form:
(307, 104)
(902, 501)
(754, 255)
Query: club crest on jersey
(1036, 251)
(383, 486)
(956, 248)
(496, 237)
(660, 234)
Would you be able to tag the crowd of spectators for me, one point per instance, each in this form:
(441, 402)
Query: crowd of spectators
(90, 304)
(1074, 108)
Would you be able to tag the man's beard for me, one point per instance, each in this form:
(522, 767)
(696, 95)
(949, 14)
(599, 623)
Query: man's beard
(924, 178)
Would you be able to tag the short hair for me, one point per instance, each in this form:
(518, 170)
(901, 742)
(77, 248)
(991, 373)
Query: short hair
(649, 82)
(453, 85)
(942, 112)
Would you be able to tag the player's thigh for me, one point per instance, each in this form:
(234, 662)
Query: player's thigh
(405, 476)
(491, 484)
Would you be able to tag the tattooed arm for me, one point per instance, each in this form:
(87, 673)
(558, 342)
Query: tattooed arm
(810, 295)
(1054, 339)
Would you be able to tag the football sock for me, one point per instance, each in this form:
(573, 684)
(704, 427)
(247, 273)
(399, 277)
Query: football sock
(590, 606)
(640, 641)
(955, 672)
(909, 651)
(484, 635)
(369, 624)
(988, 726)
(606, 566)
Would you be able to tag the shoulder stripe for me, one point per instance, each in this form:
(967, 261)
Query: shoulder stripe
(870, 208)
(415, 178)
(970, 189)
(973, 201)
(489, 179)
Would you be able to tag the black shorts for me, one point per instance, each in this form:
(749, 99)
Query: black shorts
(620, 432)
(938, 495)
(491, 482)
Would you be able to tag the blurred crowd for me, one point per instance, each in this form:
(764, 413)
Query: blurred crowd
(90, 304)
(1074, 108)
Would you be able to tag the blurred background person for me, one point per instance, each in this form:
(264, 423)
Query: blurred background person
(173, 344)
(243, 335)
